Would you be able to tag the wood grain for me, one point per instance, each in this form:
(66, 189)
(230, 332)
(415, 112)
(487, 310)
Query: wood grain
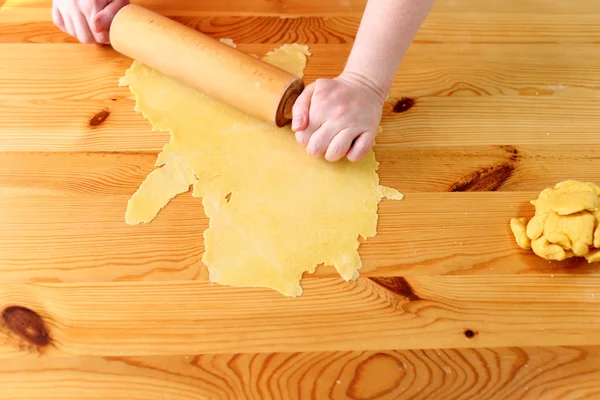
(64, 125)
(316, 7)
(47, 228)
(493, 102)
(413, 170)
(41, 115)
(162, 318)
(467, 70)
(468, 121)
(535, 373)
(238, 7)
(17, 26)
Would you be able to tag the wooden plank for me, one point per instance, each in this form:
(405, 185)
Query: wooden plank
(73, 174)
(76, 72)
(163, 318)
(84, 238)
(515, 6)
(239, 7)
(35, 26)
(41, 115)
(85, 72)
(71, 125)
(106, 125)
(468, 121)
(317, 7)
(435, 169)
(535, 373)
(19, 28)
(476, 26)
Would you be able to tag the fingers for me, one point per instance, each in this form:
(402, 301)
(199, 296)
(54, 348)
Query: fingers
(82, 30)
(88, 20)
(301, 108)
(340, 144)
(90, 12)
(361, 146)
(103, 19)
(321, 138)
(74, 23)
(58, 19)
(305, 124)
(69, 27)
(334, 119)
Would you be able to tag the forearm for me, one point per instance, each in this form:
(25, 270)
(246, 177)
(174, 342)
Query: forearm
(386, 31)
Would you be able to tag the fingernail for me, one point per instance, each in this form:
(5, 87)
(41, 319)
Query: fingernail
(297, 122)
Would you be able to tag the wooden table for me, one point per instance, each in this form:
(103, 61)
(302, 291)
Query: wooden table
(506, 102)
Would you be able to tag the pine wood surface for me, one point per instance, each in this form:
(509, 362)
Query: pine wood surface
(494, 102)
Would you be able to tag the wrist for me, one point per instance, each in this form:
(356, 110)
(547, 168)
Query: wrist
(378, 89)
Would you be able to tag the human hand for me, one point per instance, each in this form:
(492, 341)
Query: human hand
(87, 20)
(338, 117)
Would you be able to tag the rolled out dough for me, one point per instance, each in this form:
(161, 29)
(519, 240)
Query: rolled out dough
(275, 212)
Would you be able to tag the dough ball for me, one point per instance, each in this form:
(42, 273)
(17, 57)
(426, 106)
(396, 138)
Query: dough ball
(566, 223)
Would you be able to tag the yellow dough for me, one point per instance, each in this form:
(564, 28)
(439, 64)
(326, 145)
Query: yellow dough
(275, 212)
(566, 223)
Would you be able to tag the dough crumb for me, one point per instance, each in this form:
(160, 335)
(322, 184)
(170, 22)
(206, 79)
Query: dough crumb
(566, 223)
(228, 42)
(389, 193)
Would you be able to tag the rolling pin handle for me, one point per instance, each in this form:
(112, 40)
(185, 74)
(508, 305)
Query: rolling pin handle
(289, 105)
(291, 94)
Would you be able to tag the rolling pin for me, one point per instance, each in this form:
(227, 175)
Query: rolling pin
(204, 63)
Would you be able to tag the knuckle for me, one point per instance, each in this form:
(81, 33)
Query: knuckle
(315, 147)
(302, 138)
(320, 95)
(341, 111)
(334, 152)
(362, 147)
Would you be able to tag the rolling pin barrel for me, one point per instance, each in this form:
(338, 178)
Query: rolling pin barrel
(204, 63)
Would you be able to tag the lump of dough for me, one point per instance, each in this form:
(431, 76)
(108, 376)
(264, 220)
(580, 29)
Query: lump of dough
(566, 222)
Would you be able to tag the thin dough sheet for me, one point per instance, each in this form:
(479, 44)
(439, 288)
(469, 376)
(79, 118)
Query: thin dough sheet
(275, 212)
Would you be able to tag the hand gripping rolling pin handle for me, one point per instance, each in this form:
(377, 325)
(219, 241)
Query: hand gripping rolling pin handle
(201, 62)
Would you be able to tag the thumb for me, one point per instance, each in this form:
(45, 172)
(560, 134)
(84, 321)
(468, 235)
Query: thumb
(301, 109)
(104, 18)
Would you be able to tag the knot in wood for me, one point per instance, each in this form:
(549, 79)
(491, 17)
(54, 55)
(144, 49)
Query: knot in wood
(27, 324)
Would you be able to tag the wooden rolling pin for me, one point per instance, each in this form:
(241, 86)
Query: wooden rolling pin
(199, 61)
